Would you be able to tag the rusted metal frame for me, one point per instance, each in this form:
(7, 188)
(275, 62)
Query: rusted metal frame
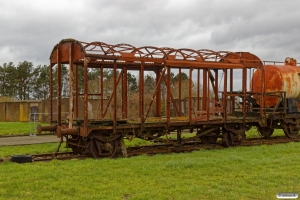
(232, 98)
(225, 95)
(216, 87)
(85, 89)
(198, 89)
(208, 97)
(197, 64)
(115, 98)
(179, 93)
(51, 91)
(262, 96)
(124, 92)
(204, 90)
(58, 86)
(190, 93)
(141, 96)
(156, 91)
(77, 93)
(105, 57)
(173, 101)
(142, 59)
(244, 95)
(112, 94)
(101, 91)
(71, 60)
(168, 85)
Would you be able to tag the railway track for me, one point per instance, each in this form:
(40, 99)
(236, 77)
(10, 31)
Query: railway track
(155, 149)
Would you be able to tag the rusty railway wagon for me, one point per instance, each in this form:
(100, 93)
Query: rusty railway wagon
(226, 94)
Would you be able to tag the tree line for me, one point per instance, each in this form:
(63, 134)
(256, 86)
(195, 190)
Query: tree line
(26, 82)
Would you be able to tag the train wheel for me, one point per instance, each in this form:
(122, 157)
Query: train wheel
(99, 148)
(290, 130)
(265, 131)
(227, 138)
(209, 139)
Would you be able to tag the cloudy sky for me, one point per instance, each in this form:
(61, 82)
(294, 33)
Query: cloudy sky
(268, 28)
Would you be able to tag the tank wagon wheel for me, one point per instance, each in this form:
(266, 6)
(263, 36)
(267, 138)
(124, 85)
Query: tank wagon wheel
(228, 139)
(290, 130)
(209, 139)
(98, 147)
(265, 131)
(103, 149)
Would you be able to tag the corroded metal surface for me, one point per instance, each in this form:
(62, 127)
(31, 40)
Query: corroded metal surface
(278, 78)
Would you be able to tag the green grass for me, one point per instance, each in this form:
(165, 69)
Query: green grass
(257, 172)
(253, 132)
(18, 128)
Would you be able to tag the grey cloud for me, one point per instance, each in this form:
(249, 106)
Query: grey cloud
(30, 29)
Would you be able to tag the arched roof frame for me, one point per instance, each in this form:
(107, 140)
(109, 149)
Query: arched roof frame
(131, 53)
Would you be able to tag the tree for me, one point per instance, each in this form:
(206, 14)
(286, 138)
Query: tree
(8, 80)
(24, 80)
(149, 84)
(132, 83)
(41, 87)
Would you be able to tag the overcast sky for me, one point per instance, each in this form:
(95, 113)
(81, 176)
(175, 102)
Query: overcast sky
(269, 29)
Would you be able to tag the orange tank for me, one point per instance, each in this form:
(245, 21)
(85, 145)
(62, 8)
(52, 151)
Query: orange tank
(278, 78)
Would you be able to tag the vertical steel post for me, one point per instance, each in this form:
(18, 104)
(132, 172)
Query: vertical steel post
(208, 96)
(204, 91)
(141, 96)
(190, 93)
(168, 84)
(115, 98)
(77, 93)
(124, 93)
(86, 96)
(225, 95)
(179, 92)
(158, 94)
(198, 89)
(58, 104)
(51, 92)
(232, 98)
(101, 91)
(244, 93)
(216, 87)
(71, 61)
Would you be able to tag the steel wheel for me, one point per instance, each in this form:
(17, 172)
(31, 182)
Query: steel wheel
(290, 132)
(98, 148)
(227, 139)
(266, 131)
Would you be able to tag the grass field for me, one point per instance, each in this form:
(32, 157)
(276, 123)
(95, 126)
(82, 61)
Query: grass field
(257, 172)
(18, 128)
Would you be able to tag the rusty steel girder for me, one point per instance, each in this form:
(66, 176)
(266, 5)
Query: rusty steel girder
(121, 58)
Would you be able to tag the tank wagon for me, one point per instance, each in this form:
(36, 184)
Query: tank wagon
(226, 93)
